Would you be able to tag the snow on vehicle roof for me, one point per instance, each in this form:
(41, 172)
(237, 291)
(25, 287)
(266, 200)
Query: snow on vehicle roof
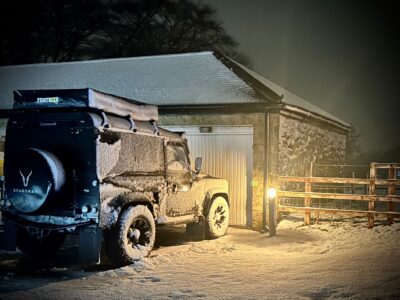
(175, 79)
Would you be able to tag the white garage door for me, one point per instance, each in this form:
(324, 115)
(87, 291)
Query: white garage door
(227, 153)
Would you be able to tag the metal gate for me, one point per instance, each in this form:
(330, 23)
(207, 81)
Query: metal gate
(227, 153)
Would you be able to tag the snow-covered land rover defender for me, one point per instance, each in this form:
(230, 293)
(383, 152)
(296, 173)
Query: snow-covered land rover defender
(95, 165)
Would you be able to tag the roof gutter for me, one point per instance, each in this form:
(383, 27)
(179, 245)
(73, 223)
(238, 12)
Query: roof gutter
(253, 107)
(230, 108)
(294, 110)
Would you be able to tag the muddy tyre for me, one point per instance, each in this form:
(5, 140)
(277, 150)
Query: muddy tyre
(39, 247)
(132, 238)
(217, 219)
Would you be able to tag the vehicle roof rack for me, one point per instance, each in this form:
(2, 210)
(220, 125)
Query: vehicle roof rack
(82, 99)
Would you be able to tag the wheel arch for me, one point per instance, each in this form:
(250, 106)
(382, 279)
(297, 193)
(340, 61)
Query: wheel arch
(111, 211)
(135, 198)
(210, 198)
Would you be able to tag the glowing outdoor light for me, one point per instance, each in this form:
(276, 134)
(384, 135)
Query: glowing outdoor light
(271, 193)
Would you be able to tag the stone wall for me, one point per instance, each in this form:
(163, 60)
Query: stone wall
(257, 121)
(302, 141)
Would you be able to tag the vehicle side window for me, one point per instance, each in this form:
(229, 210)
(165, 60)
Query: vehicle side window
(178, 171)
(176, 158)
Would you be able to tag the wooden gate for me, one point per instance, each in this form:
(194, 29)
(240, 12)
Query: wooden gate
(308, 194)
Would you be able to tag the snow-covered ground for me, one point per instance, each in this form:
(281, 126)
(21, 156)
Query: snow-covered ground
(333, 260)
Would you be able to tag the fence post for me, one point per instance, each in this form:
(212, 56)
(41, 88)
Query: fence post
(372, 191)
(278, 212)
(391, 191)
(307, 200)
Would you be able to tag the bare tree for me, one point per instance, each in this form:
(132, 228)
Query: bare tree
(65, 30)
(43, 31)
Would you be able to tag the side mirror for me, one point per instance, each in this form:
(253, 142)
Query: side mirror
(197, 164)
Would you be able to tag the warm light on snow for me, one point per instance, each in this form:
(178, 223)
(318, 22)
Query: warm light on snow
(336, 259)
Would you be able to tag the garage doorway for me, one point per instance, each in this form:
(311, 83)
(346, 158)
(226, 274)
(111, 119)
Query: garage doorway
(227, 153)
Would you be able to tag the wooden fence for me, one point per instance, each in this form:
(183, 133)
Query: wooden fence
(390, 183)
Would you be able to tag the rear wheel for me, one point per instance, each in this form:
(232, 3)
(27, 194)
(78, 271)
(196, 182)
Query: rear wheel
(132, 238)
(39, 245)
(217, 219)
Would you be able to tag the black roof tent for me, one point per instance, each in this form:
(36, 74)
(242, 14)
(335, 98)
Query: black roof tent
(84, 99)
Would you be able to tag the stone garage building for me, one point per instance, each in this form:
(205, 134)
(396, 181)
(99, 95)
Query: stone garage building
(247, 128)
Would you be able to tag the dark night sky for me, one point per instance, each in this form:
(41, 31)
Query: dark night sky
(343, 56)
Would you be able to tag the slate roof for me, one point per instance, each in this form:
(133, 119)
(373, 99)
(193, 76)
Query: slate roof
(176, 79)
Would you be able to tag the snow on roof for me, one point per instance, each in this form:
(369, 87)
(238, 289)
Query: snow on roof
(176, 79)
(198, 78)
(289, 98)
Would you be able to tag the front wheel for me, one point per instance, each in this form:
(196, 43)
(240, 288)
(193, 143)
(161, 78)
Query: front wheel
(217, 219)
(132, 238)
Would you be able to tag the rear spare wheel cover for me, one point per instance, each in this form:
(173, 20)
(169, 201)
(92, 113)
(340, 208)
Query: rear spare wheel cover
(32, 178)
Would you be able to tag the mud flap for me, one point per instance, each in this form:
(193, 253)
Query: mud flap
(8, 236)
(196, 231)
(90, 239)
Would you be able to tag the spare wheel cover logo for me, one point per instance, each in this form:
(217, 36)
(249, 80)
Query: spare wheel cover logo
(25, 180)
